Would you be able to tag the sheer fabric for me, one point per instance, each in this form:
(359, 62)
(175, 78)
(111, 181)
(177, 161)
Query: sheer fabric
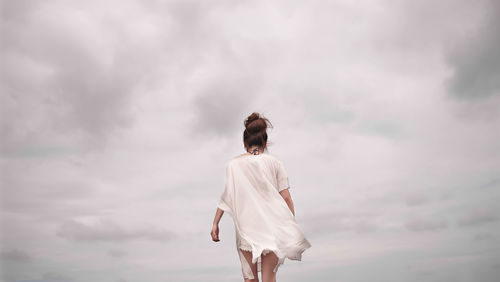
(262, 219)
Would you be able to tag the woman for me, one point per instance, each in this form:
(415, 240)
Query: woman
(257, 197)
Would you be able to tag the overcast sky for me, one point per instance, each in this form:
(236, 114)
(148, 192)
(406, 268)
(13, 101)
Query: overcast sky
(117, 119)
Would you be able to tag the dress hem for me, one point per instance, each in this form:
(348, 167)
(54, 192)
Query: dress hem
(292, 252)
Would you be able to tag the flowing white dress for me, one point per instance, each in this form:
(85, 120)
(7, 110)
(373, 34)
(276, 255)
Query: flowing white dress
(262, 219)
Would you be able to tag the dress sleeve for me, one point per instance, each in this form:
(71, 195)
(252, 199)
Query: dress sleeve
(226, 198)
(282, 176)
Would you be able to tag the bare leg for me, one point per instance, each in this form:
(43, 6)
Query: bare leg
(269, 261)
(253, 266)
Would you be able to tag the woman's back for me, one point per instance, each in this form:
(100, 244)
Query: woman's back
(262, 219)
(264, 164)
(256, 196)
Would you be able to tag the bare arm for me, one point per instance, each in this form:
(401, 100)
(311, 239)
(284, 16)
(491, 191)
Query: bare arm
(215, 226)
(218, 215)
(285, 193)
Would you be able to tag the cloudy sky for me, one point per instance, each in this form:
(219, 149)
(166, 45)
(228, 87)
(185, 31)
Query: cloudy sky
(117, 118)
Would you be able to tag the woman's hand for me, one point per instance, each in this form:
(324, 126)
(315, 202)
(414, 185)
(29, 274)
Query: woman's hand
(215, 233)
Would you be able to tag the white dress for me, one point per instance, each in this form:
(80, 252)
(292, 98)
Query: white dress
(262, 219)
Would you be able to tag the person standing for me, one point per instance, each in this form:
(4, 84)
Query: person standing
(256, 195)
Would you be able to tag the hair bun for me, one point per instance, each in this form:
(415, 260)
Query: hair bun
(251, 118)
(255, 123)
(255, 130)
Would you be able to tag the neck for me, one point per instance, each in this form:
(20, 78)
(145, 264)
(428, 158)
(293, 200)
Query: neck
(255, 150)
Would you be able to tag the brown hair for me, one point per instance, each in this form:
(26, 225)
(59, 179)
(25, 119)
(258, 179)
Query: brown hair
(255, 130)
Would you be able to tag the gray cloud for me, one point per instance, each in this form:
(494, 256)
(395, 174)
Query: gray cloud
(108, 231)
(16, 255)
(54, 276)
(479, 216)
(127, 110)
(51, 192)
(493, 183)
(417, 200)
(476, 62)
(383, 128)
(340, 221)
(117, 253)
(484, 236)
(67, 87)
(425, 225)
(224, 104)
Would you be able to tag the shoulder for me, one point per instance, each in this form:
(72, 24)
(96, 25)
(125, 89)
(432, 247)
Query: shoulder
(233, 160)
(238, 156)
(274, 160)
(268, 157)
(273, 157)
